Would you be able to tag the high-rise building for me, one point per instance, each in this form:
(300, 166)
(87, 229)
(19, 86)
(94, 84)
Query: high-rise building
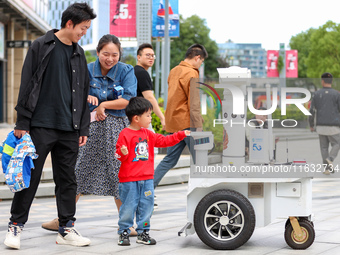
(21, 22)
(249, 55)
(56, 8)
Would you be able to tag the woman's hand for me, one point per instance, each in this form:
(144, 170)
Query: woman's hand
(100, 115)
(92, 100)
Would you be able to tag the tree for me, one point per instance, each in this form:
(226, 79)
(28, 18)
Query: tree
(324, 55)
(194, 30)
(129, 60)
(89, 57)
(222, 62)
(319, 50)
(302, 43)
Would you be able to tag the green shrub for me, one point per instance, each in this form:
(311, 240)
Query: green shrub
(156, 122)
(208, 125)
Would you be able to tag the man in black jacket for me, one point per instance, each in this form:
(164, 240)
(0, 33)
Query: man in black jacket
(325, 120)
(52, 107)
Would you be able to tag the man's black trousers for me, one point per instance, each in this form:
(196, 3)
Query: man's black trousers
(63, 146)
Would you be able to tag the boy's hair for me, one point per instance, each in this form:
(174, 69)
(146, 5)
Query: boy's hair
(77, 13)
(196, 50)
(327, 78)
(137, 106)
(142, 47)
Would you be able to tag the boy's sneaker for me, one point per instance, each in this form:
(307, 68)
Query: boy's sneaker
(69, 235)
(144, 238)
(13, 235)
(124, 239)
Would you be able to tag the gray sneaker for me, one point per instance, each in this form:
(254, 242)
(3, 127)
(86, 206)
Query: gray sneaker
(326, 172)
(329, 164)
(144, 238)
(124, 239)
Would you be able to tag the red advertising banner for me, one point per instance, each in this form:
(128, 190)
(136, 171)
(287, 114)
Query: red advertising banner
(29, 3)
(272, 60)
(291, 63)
(123, 18)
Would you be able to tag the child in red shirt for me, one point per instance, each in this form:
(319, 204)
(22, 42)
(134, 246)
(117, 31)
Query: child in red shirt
(135, 149)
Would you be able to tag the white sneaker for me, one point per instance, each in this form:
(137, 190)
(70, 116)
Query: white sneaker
(13, 236)
(72, 237)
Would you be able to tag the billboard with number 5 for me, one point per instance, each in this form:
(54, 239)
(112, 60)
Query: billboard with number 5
(123, 18)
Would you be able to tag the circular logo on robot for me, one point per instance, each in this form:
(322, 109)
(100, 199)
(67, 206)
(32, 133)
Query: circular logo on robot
(242, 116)
(233, 116)
(225, 115)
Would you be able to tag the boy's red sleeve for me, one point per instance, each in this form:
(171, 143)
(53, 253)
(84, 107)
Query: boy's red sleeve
(169, 140)
(120, 142)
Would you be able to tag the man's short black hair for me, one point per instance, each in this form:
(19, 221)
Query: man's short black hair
(327, 78)
(77, 13)
(144, 46)
(137, 106)
(196, 50)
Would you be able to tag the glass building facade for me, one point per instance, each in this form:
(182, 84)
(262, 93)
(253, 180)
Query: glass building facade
(100, 25)
(56, 8)
(249, 55)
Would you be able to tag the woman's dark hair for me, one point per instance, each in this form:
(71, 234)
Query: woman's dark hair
(196, 50)
(106, 39)
(137, 106)
(77, 13)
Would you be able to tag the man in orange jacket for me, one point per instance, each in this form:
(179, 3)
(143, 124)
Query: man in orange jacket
(183, 107)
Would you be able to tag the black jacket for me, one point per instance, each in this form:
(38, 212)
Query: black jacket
(35, 63)
(325, 108)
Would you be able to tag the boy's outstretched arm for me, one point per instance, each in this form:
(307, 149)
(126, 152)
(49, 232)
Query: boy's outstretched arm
(170, 140)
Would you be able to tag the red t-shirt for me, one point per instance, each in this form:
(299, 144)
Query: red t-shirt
(138, 164)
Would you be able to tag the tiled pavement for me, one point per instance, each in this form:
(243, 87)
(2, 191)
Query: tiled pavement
(97, 219)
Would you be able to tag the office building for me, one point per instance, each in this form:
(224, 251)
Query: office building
(21, 21)
(249, 55)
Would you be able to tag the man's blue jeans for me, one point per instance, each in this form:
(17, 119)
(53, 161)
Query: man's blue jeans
(137, 198)
(172, 157)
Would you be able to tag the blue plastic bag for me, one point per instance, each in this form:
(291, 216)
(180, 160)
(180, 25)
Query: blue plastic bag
(17, 161)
